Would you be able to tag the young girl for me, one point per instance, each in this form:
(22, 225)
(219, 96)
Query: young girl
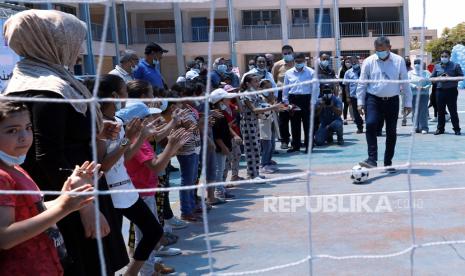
(112, 154)
(250, 108)
(30, 243)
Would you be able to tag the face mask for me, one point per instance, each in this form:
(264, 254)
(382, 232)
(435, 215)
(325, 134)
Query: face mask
(444, 60)
(382, 54)
(417, 67)
(356, 67)
(299, 66)
(251, 67)
(12, 160)
(348, 65)
(261, 69)
(324, 63)
(196, 70)
(288, 58)
(222, 68)
(134, 68)
(223, 106)
(118, 106)
(164, 105)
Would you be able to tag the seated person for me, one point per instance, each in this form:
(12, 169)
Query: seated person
(329, 110)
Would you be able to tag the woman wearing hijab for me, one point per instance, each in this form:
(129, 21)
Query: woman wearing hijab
(49, 42)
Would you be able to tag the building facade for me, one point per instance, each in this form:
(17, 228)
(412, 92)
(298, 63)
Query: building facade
(243, 28)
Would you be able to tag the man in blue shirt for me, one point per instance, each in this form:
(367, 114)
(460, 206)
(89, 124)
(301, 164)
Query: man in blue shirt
(300, 97)
(354, 74)
(149, 68)
(380, 99)
(446, 92)
(329, 110)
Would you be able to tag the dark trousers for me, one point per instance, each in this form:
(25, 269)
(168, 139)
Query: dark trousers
(140, 214)
(300, 117)
(357, 118)
(447, 97)
(284, 127)
(376, 108)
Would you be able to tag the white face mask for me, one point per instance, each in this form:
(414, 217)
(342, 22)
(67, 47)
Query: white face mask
(118, 106)
(134, 68)
(223, 106)
(12, 160)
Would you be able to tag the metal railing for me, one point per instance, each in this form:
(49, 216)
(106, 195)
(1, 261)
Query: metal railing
(159, 35)
(365, 29)
(259, 32)
(300, 31)
(200, 34)
(97, 31)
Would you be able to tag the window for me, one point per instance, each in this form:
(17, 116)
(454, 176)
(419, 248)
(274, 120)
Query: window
(300, 17)
(262, 17)
(428, 37)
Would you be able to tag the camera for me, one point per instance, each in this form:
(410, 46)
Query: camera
(327, 93)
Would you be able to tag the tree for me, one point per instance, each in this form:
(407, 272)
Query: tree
(448, 39)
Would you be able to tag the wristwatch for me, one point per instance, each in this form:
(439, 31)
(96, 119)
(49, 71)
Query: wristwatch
(124, 142)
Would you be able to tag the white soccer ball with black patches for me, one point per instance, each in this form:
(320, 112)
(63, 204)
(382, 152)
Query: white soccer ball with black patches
(359, 174)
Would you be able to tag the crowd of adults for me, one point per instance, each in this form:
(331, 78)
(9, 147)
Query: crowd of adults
(136, 140)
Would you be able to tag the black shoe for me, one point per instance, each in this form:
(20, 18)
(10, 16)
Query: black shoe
(390, 170)
(291, 150)
(360, 130)
(457, 132)
(171, 168)
(379, 133)
(417, 131)
(306, 151)
(368, 164)
(340, 142)
(275, 152)
(439, 132)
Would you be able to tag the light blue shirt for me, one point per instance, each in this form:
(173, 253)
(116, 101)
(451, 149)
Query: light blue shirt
(393, 68)
(424, 84)
(293, 76)
(268, 76)
(351, 74)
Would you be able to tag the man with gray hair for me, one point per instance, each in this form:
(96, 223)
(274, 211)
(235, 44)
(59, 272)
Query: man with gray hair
(380, 99)
(128, 63)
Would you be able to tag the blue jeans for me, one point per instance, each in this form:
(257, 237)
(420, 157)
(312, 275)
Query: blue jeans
(326, 131)
(422, 121)
(189, 170)
(267, 151)
(388, 109)
(220, 162)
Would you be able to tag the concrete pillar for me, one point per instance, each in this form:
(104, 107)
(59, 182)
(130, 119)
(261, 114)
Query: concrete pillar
(337, 35)
(284, 22)
(114, 29)
(84, 15)
(232, 32)
(178, 31)
(406, 29)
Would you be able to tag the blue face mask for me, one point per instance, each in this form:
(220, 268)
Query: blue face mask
(356, 67)
(299, 66)
(288, 58)
(382, 54)
(324, 63)
(118, 106)
(444, 60)
(222, 68)
(12, 160)
(417, 67)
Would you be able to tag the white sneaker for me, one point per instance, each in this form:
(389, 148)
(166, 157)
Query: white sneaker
(166, 252)
(167, 228)
(424, 132)
(434, 119)
(176, 223)
(447, 117)
(268, 170)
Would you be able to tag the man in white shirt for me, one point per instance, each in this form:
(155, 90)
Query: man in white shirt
(128, 63)
(301, 97)
(381, 100)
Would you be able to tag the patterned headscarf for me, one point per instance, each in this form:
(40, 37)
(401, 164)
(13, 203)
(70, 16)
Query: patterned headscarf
(50, 42)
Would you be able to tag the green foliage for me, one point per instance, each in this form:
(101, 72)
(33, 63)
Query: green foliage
(448, 39)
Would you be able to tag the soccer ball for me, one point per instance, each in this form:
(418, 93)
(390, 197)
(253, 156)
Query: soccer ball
(359, 174)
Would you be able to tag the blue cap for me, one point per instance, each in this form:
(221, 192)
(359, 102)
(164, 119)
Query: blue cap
(136, 110)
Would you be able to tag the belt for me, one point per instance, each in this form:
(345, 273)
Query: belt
(384, 98)
(119, 183)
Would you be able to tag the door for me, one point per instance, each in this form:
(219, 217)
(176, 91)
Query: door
(199, 29)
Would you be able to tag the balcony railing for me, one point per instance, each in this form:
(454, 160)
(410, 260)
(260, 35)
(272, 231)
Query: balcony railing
(160, 35)
(364, 29)
(200, 34)
(97, 31)
(299, 31)
(259, 32)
